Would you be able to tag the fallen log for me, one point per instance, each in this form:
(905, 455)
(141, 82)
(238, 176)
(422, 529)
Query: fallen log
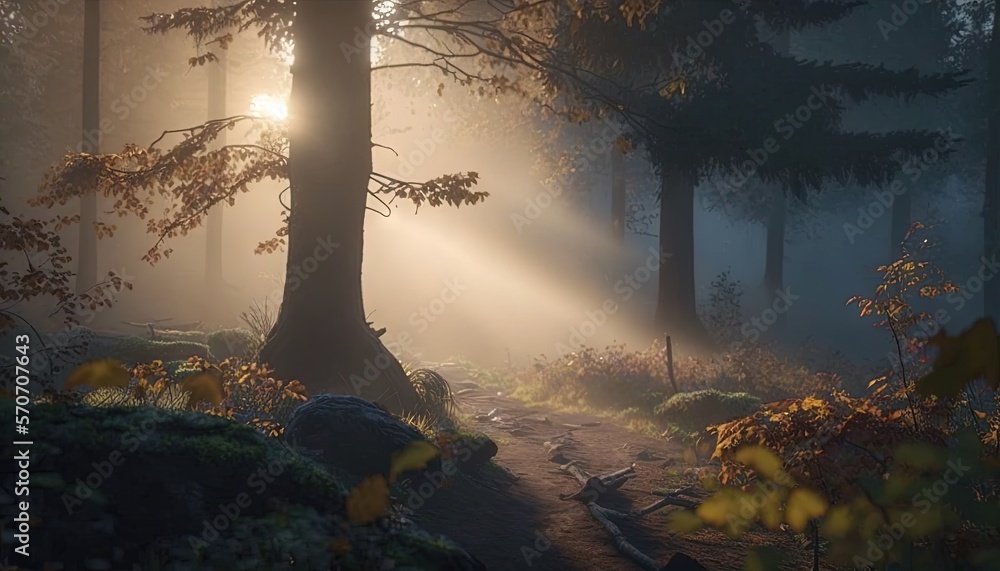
(152, 325)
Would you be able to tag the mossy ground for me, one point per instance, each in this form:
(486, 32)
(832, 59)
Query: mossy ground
(161, 489)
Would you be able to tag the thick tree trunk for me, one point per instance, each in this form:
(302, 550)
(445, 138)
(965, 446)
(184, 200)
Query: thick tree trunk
(86, 259)
(774, 262)
(676, 304)
(321, 337)
(901, 209)
(213, 225)
(774, 250)
(618, 198)
(991, 198)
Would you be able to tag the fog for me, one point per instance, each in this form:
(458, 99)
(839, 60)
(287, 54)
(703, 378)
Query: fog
(529, 272)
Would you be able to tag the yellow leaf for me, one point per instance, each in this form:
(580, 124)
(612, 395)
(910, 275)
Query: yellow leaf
(770, 511)
(803, 505)
(415, 456)
(761, 460)
(99, 373)
(203, 387)
(684, 521)
(837, 522)
(729, 510)
(368, 501)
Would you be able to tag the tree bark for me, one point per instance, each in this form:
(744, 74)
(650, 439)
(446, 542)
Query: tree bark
(213, 224)
(774, 252)
(991, 198)
(321, 337)
(618, 198)
(86, 259)
(676, 304)
(774, 263)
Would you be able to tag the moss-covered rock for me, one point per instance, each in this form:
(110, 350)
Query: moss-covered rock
(227, 343)
(180, 490)
(132, 350)
(191, 336)
(697, 410)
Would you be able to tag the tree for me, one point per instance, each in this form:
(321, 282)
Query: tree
(213, 224)
(87, 253)
(708, 108)
(321, 337)
(618, 194)
(991, 196)
(876, 35)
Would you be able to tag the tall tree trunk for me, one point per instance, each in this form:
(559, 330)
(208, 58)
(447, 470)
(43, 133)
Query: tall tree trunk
(618, 198)
(86, 259)
(213, 225)
(774, 260)
(901, 209)
(991, 198)
(321, 337)
(777, 220)
(676, 303)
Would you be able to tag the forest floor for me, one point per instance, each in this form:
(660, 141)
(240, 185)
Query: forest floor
(527, 526)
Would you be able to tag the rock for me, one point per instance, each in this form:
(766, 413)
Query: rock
(199, 492)
(470, 450)
(353, 435)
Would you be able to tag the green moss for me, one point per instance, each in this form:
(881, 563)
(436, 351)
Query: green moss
(132, 350)
(164, 474)
(697, 410)
(227, 343)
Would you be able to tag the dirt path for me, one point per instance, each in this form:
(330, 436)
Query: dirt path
(527, 526)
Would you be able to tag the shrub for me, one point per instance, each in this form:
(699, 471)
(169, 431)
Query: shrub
(758, 369)
(436, 401)
(611, 378)
(697, 410)
(722, 315)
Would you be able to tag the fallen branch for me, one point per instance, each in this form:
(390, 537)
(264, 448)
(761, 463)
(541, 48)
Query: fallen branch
(620, 541)
(679, 561)
(670, 500)
(593, 486)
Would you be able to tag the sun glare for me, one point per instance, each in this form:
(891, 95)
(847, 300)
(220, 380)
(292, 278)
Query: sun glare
(269, 107)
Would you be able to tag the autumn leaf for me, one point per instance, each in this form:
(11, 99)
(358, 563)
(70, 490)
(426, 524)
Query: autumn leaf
(684, 521)
(99, 373)
(837, 522)
(803, 505)
(415, 456)
(368, 500)
(761, 460)
(203, 386)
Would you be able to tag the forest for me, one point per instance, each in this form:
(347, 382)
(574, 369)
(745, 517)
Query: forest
(673, 285)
